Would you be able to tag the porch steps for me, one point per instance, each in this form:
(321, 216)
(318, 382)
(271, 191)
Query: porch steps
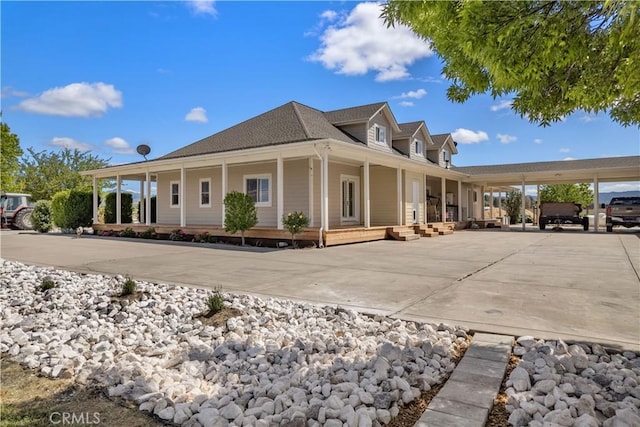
(443, 229)
(404, 233)
(425, 230)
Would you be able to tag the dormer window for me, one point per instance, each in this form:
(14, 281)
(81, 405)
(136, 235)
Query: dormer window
(381, 134)
(419, 147)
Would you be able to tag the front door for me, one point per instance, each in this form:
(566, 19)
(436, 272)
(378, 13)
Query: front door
(416, 202)
(350, 198)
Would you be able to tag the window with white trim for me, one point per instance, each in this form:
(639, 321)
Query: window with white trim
(258, 187)
(205, 192)
(419, 148)
(381, 134)
(174, 188)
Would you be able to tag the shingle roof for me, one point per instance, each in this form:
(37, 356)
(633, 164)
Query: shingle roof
(439, 139)
(291, 122)
(353, 114)
(567, 165)
(407, 129)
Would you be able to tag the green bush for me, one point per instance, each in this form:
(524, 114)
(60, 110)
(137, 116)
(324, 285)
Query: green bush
(47, 283)
(41, 216)
(128, 232)
(177, 235)
(128, 287)
(126, 208)
(71, 209)
(294, 222)
(142, 217)
(215, 302)
(149, 233)
(240, 213)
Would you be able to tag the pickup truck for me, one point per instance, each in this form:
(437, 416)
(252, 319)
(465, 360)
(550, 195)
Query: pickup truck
(561, 213)
(623, 211)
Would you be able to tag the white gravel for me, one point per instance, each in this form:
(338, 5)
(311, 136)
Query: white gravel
(281, 363)
(579, 385)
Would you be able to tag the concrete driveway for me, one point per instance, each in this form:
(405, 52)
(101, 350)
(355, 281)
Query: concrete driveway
(573, 285)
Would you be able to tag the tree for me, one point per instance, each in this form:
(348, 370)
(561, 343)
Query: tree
(240, 213)
(10, 153)
(47, 173)
(71, 209)
(295, 222)
(554, 57)
(576, 193)
(512, 205)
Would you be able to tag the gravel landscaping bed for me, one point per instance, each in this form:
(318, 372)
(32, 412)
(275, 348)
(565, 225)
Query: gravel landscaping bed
(276, 363)
(579, 385)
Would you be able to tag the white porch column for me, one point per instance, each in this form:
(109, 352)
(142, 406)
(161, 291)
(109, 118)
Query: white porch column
(500, 202)
(443, 199)
(399, 194)
(280, 191)
(310, 192)
(141, 208)
(183, 191)
(95, 199)
(491, 202)
(524, 216)
(147, 217)
(481, 201)
(459, 201)
(596, 205)
(367, 197)
(424, 193)
(537, 215)
(224, 188)
(325, 189)
(118, 201)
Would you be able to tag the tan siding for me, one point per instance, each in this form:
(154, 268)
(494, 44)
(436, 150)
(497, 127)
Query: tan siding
(335, 170)
(402, 145)
(266, 215)
(414, 154)
(167, 214)
(381, 120)
(383, 194)
(204, 216)
(358, 131)
(296, 186)
(317, 194)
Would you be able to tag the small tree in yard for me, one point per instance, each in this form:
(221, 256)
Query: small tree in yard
(512, 205)
(240, 213)
(295, 222)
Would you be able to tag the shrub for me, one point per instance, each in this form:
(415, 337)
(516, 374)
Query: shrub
(142, 216)
(128, 287)
(71, 209)
(47, 283)
(512, 205)
(41, 216)
(126, 201)
(294, 222)
(177, 235)
(215, 303)
(202, 237)
(128, 232)
(149, 233)
(240, 213)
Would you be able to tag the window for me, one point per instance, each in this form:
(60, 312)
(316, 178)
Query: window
(205, 192)
(175, 194)
(419, 148)
(258, 187)
(381, 134)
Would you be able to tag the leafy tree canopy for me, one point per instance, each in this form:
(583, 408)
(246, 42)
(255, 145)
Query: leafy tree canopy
(240, 213)
(47, 173)
(512, 205)
(576, 193)
(10, 153)
(554, 57)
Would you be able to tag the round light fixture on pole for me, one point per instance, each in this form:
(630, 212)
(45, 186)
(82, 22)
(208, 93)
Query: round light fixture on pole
(143, 149)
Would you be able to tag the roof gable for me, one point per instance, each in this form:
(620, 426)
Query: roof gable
(409, 130)
(441, 139)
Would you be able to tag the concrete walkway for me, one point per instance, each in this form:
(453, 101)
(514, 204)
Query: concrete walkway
(467, 397)
(573, 285)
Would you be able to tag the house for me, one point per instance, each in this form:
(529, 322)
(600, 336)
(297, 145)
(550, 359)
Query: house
(356, 172)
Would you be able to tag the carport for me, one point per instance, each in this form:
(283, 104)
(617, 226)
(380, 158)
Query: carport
(606, 169)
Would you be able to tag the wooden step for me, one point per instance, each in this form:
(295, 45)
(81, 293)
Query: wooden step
(403, 233)
(425, 230)
(445, 232)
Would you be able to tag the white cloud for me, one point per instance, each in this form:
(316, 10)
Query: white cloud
(537, 141)
(8, 92)
(329, 15)
(361, 42)
(406, 103)
(502, 105)
(197, 114)
(569, 158)
(75, 100)
(415, 94)
(431, 79)
(506, 139)
(202, 7)
(565, 150)
(588, 118)
(466, 136)
(619, 186)
(72, 144)
(119, 145)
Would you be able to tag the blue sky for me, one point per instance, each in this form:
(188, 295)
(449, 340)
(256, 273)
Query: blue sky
(107, 76)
